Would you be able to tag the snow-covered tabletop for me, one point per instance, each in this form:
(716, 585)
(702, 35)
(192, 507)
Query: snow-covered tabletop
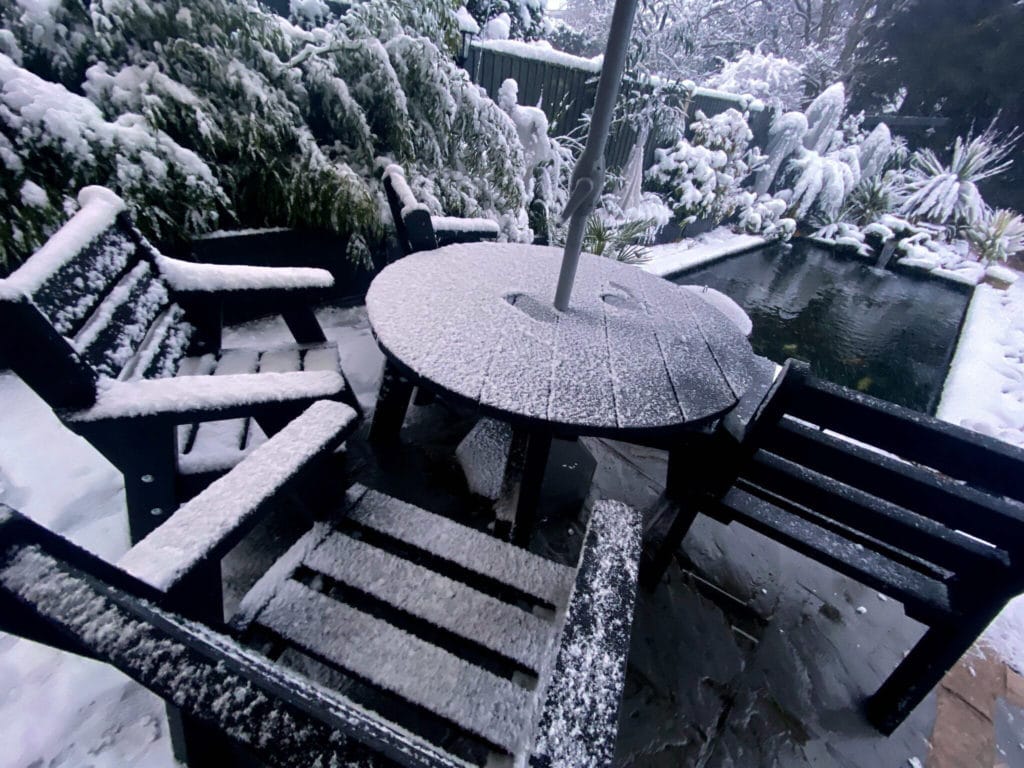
(633, 354)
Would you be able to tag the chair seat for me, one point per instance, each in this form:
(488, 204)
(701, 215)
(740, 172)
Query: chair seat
(433, 615)
(216, 446)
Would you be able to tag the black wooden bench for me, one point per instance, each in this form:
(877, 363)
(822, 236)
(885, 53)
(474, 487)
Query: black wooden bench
(385, 628)
(124, 344)
(417, 229)
(921, 510)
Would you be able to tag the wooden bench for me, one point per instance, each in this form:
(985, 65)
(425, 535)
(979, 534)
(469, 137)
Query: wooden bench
(417, 229)
(385, 630)
(923, 511)
(124, 344)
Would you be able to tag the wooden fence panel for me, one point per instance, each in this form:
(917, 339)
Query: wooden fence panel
(566, 93)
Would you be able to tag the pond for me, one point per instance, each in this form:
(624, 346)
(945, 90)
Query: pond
(887, 334)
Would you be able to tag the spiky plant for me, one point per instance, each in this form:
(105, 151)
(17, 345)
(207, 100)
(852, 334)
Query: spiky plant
(872, 198)
(948, 193)
(623, 242)
(998, 235)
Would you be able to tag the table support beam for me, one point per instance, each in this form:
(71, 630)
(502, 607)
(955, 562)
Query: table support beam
(521, 485)
(392, 403)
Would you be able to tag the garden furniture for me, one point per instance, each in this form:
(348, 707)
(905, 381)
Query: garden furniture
(386, 633)
(417, 229)
(634, 358)
(923, 511)
(124, 344)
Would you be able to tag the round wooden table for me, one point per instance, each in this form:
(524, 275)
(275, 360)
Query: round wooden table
(635, 357)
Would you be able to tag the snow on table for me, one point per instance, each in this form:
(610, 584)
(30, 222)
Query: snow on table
(633, 352)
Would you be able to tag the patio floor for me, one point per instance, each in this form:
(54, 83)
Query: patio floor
(746, 655)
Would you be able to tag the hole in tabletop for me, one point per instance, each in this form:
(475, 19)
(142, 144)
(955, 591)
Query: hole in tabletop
(542, 312)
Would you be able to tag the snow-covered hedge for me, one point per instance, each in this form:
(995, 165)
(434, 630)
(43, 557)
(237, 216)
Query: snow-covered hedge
(218, 113)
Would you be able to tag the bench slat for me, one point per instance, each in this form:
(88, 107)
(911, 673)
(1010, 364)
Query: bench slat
(919, 594)
(925, 492)
(901, 529)
(976, 459)
(446, 603)
(476, 551)
(474, 699)
(74, 290)
(218, 444)
(116, 328)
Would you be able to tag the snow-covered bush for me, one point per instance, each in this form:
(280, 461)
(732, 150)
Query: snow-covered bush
(948, 193)
(701, 175)
(245, 115)
(997, 235)
(510, 19)
(774, 79)
(53, 142)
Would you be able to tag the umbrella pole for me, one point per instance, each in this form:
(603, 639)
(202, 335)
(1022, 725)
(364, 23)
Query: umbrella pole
(588, 175)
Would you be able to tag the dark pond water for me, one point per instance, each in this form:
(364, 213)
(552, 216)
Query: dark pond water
(889, 335)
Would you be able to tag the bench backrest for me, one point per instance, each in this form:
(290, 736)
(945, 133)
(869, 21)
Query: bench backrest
(965, 481)
(90, 303)
(412, 219)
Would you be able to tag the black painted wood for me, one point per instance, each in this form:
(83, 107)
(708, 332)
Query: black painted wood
(415, 229)
(106, 311)
(921, 510)
(223, 696)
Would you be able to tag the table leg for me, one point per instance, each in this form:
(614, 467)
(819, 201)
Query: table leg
(520, 488)
(675, 510)
(392, 403)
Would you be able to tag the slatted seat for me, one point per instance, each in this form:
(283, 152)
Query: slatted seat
(417, 229)
(102, 324)
(385, 630)
(920, 510)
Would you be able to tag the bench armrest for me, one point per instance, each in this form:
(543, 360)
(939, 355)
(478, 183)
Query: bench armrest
(188, 277)
(579, 717)
(62, 594)
(188, 398)
(204, 529)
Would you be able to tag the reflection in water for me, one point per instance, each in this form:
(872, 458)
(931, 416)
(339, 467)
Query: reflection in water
(889, 335)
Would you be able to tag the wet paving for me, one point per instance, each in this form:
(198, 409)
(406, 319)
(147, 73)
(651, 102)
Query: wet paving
(746, 654)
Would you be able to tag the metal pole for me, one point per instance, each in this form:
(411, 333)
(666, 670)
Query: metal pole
(588, 175)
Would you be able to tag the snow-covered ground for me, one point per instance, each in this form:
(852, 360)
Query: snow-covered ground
(668, 259)
(60, 711)
(985, 392)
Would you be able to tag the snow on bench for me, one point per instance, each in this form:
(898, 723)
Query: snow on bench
(201, 527)
(457, 224)
(186, 276)
(188, 395)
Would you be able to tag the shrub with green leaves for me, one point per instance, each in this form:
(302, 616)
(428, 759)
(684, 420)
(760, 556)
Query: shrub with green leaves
(215, 113)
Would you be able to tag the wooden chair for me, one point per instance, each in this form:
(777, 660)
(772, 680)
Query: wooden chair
(926, 512)
(384, 634)
(417, 230)
(119, 340)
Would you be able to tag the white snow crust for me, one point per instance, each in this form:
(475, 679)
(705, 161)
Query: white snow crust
(189, 535)
(457, 224)
(542, 52)
(188, 276)
(666, 260)
(985, 392)
(99, 209)
(119, 399)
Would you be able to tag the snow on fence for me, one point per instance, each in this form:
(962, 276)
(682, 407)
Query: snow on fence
(565, 86)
